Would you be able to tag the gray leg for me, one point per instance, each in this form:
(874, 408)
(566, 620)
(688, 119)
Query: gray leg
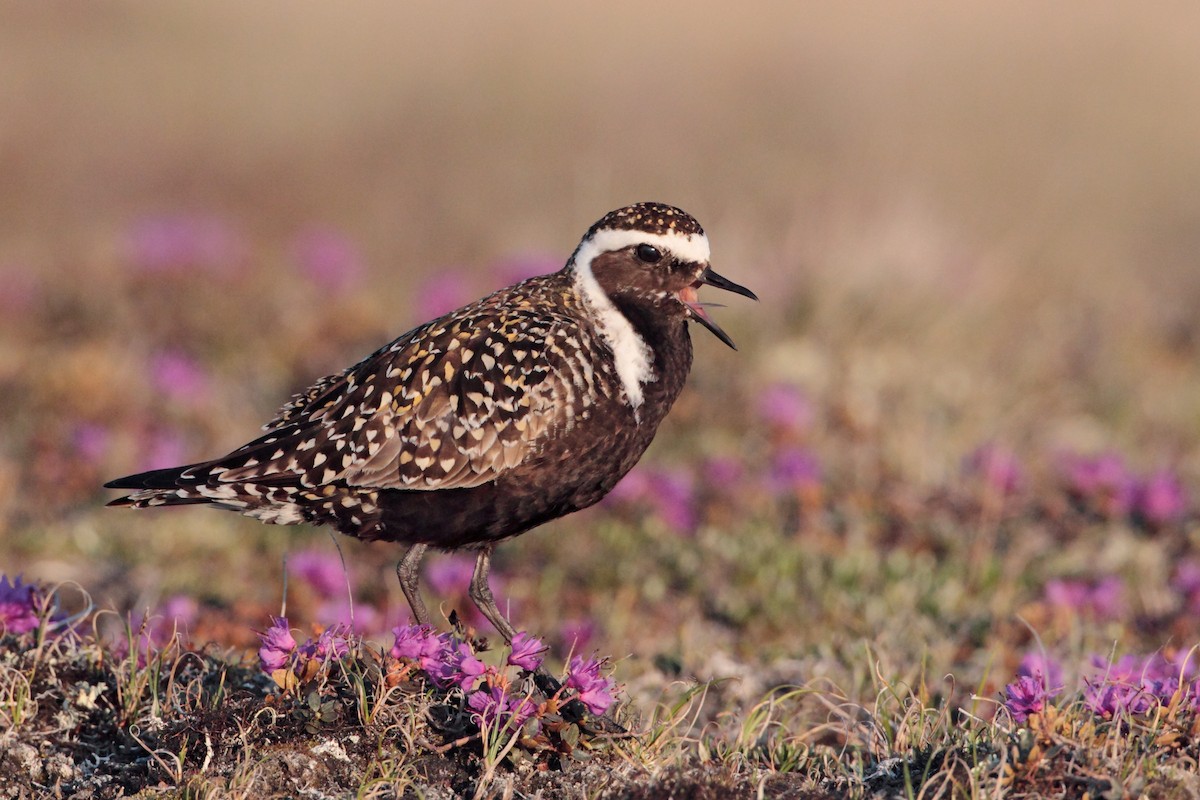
(407, 572)
(481, 596)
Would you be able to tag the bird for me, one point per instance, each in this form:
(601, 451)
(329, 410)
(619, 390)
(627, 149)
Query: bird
(489, 421)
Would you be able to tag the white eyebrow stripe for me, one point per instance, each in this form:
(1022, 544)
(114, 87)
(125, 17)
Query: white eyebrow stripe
(692, 247)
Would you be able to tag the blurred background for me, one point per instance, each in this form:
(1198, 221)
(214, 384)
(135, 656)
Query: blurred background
(968, 222)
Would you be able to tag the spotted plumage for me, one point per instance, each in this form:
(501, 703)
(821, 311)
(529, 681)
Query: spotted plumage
(524, 406)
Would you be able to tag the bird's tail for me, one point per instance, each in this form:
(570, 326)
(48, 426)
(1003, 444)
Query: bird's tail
(176, 486)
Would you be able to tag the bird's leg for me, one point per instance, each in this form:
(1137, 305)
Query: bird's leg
(409, 577)
(481, 596)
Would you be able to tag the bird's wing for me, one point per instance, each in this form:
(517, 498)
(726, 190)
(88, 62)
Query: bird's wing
(453, 404)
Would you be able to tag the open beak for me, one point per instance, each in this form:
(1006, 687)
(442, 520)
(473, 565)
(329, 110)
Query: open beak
(696, 309)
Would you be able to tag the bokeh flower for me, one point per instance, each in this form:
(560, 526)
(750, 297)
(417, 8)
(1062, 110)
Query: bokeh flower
(786, 407)
(178, 376)
(328, 258)
(997, 468)
(278, 645)
(1103, 599)
(321, 570)
(1102, 483)
(443, 293)
(182, 243)
(1041, 667)
(18, 605)
(1161, 499)
(1111, 699)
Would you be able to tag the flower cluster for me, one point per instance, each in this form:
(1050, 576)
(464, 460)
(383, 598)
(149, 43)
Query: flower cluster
(1101, 599)
(1131, 685)
(279, 650)
(1104, 484)
(449, 663)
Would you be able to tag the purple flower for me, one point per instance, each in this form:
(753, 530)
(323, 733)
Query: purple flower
(328, 259)
(320, 570)
(450, 575)
(1160, 498)
(997, 467)
(674, 500)
(91, 442)
(594, 690)
(577, 633)
(177, 613)
(1027, 696)
(459, 667)
(1103, 483)
(177, 375)
(163, 448)
(786, 407)
(421, 644)
(1108, 699)
(337, 611)
(1103, 599)
(334, 642)
(278, 645)
(18, 606)
(796, 469)
(180, 243)
(493, 705)
(723, 472)
(525, 652)
(633, 488)
(1042, 668)
(443, 293)
(1186, 581)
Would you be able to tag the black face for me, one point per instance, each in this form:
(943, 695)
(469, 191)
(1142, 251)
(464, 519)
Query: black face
(650, 275)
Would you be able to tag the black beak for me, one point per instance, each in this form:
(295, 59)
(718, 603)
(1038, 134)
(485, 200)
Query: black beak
(710, 278)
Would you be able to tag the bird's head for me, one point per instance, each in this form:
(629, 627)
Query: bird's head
(650, 253)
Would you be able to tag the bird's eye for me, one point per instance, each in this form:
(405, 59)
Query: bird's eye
(649, 253)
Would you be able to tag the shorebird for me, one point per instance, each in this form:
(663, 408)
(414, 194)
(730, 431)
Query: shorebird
(477, 426)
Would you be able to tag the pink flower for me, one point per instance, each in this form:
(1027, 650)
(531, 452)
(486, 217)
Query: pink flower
(443, 293)
(1102, 483)
(492, 706)
(594, 690)
(796, 469)
(182, 243)
(328, 259)
(321, 570)
(1041, 667)
(177, 375)
(18, 606)
(997, 467)
(1028, 695)
(421, 644)
(334, 642)
(1161, 499)
(1104, 598)
(525, 652)
(278, 644)
(787, 407)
